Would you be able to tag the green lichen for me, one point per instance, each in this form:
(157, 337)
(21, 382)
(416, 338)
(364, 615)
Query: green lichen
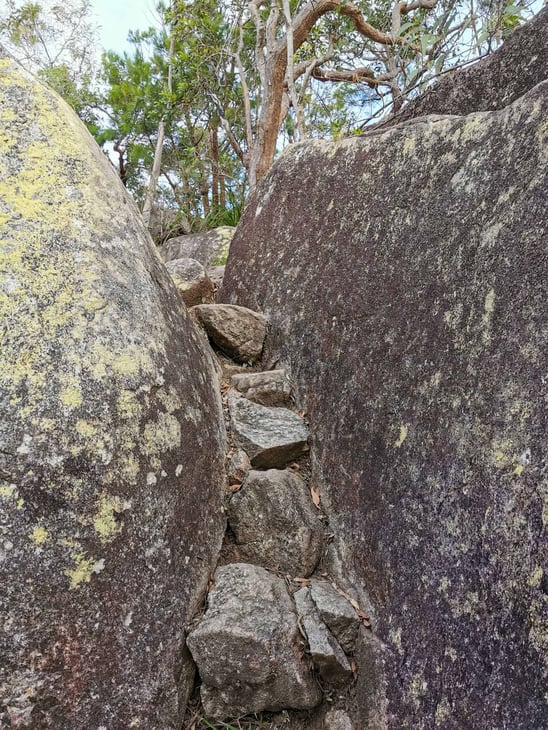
(105, 522)
(404, 430)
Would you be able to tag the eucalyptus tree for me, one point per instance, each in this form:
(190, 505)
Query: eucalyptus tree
(59, 43)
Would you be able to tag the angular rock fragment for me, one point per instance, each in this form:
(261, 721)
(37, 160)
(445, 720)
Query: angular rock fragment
(336, 612)
(272, 437)
(192, 281)
(275, 522)
(238, 467)
(237, 331)
(247, 646)
(326, 653)
(269, 388)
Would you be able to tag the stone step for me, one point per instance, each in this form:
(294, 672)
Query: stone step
(268, 388)
(272, 437)
(237, 331)
(275, 522)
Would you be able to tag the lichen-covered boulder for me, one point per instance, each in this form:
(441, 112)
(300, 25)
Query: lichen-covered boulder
(111, 439)
(210, 248)
(421, 378)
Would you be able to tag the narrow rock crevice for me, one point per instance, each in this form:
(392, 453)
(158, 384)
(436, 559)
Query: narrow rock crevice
(276, 635)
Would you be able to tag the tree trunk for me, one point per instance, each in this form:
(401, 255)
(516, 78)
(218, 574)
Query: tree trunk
(154, 176)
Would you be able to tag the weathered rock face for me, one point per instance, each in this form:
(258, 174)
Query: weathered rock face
(271, 437)
(407, 308)
(209, 248)
(111, 439)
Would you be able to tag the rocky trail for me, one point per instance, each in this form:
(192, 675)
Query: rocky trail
(277, 633)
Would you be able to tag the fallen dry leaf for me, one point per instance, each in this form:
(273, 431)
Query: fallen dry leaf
(302, 581)
(233, 488)
(315, 494)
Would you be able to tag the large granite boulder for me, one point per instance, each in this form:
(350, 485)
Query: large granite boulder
(210, 248)
(111, 439)
(403, 276)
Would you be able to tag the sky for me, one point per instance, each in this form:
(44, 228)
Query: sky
(118, 17)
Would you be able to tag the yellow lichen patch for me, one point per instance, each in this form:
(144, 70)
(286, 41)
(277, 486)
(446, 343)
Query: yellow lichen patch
(125, 365)
(170, 400)
(443, 711)
(404, 430)
(161, 435)
(85, 428)
(71, 397)
(82, 571)
(104, 521)
(536, 577)
(409, 146)
(39, 535)
(8, 491)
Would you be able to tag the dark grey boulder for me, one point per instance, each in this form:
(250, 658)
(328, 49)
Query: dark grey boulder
(247, 646)
(272, 437)
(404, 282)
(326, 653)
(336, 612)
(237, 331)
(275, 522)
(269, 388)
(210, 248)
(192, 281)
(111, 439)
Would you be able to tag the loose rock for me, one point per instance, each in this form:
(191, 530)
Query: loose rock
(326, 653)
(336, 612)
(247, 646)
(192, 281)
(238, 467)
(272, 437)
(237, 331)
(275, 522)
(269, 388)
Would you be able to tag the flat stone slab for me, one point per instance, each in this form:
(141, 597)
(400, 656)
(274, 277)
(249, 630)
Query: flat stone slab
(237, 331)
(326, 653)
(248, 646)
(269, 388)
(272, 437)
(336, 612)
(275, 522)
